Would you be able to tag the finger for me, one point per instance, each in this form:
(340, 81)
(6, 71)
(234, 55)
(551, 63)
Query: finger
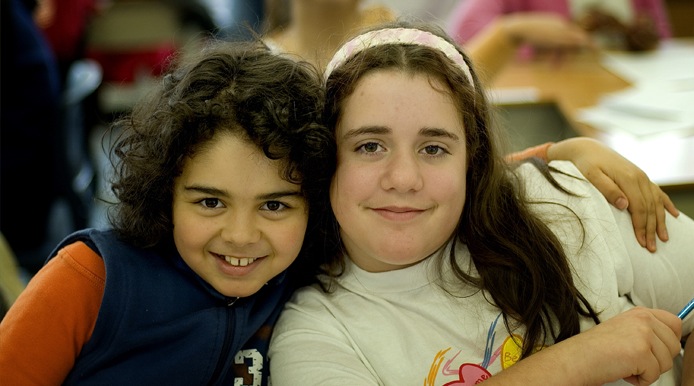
(647, 364)
(642, 211)
(673, 324)
(632, 198)
(664, 346)
(669, 205)
(651, 372)
(662, 350)
(610, 190)
(667, 202)
(651, 222)
(640, 216)
(661, 207)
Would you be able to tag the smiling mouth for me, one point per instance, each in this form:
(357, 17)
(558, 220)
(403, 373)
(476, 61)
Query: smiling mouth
(398, 214)
(400, 210)
(239, 262)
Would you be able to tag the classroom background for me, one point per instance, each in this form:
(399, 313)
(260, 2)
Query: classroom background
(108, 53)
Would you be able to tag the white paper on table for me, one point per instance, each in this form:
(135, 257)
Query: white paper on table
(668, 159)
(654, 101)
(672, 62)
(611, 120)
(661, 99)
(643, 111)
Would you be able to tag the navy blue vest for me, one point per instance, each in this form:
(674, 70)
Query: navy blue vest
(161, 324)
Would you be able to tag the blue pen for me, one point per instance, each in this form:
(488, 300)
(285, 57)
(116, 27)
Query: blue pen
(686, 310)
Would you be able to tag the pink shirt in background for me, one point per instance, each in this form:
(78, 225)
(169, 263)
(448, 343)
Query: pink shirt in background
(471, 16)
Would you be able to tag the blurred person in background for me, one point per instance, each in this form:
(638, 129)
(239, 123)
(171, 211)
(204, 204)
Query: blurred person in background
(622, 24)
(436, 11)
(314, 29)
(65, 24)
(29, 120)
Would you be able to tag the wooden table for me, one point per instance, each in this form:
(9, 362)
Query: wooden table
(579, 82)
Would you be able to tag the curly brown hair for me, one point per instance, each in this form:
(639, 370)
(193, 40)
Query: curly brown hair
(238, 87)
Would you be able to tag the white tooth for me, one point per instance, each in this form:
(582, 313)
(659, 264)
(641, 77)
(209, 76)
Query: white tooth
(238, 262)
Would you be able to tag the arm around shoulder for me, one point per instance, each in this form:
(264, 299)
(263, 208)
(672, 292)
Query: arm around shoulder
(624, 185)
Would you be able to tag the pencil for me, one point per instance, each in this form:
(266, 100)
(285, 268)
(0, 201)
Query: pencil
(686, 310)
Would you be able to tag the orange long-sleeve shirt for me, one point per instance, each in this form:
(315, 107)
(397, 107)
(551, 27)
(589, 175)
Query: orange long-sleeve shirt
(45, 329)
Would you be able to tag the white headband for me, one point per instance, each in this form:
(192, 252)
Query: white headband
(397, 36)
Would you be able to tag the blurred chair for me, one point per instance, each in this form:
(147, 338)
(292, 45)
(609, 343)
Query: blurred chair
(133, 41)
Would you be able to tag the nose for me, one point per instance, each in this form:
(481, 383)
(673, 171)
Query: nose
(403, 173)
(240, 228)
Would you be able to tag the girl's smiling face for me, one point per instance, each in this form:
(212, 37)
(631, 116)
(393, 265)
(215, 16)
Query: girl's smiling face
(237, 223)
(399, 189)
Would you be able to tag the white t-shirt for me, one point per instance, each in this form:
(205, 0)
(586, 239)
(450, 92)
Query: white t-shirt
(400, 328)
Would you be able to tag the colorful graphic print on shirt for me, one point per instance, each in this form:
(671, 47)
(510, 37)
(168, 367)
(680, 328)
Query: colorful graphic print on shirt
(507, 353)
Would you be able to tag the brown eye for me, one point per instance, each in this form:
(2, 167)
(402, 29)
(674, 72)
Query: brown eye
(210, 202)
(274, 206)
(432, 150)
(371, 147)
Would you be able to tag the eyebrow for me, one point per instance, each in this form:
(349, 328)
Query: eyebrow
(437, 132)
(219, 192)
(366, 130)
(425, 132)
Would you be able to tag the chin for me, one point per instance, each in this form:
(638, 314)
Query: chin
(244, 292)
(401, 259)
